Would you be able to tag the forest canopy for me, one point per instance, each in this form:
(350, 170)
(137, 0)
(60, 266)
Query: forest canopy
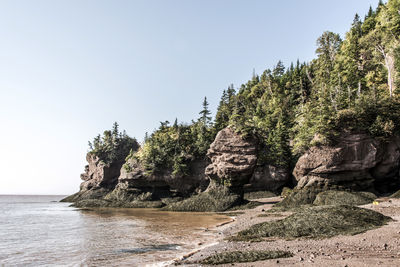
(351, 86)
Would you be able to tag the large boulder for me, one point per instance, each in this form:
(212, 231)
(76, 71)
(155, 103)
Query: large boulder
(233, 158)
(355, 162)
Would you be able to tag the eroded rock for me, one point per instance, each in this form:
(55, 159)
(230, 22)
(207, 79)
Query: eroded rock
(348, 165)
(233, 158)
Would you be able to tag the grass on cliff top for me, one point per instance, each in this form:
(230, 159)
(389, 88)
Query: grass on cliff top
(245, 256)
(317, 222)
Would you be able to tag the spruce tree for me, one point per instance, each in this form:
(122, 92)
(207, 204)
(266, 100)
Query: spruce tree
(205, 113)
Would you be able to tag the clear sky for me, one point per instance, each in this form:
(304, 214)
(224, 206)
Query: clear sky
(69, 69)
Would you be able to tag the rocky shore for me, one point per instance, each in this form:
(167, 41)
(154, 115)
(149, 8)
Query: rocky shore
(376, 247)
(332, 207)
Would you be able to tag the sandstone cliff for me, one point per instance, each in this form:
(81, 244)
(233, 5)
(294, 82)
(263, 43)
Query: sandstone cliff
(357, 162)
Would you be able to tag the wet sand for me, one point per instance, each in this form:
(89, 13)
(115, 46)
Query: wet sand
(378, 247)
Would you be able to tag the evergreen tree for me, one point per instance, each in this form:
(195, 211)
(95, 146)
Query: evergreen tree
(205, 113)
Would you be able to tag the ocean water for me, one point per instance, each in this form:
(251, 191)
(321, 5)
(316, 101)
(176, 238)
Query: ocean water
(40, 231)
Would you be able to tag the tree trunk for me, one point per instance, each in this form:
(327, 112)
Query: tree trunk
(389, 63)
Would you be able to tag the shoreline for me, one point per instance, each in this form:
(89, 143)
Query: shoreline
(375, 247)
(217, 240)
(211, 232)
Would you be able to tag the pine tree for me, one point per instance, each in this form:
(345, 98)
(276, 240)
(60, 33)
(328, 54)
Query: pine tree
(279, 69)
(115, 130)
(205, 113)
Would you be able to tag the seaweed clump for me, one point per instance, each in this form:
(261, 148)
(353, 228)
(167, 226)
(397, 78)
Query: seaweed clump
(314, 196)
(245, 256)
(332, 197)
(317, 222)
(259, 194)
(216, 198)
(298, 198)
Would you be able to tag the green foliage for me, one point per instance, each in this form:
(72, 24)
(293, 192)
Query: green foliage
(349, 87)
(113, 145)
(174, 147)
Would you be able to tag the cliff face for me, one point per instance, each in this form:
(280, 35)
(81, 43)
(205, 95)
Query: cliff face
(233, 158)
(356, 162)
(133, 183)
(233, 165)
(99, 174)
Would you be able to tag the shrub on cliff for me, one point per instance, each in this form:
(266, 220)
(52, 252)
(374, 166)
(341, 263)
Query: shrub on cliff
(113, 145)
(173, 147)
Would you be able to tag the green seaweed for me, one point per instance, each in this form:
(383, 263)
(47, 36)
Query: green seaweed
(333, 197)
(217, 198)
(245, 256)
(259, 194)
(317, 222)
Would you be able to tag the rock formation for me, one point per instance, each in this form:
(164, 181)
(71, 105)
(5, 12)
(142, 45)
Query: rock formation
(356, 162)
(233, 158)
(135, 185)
(101, 174)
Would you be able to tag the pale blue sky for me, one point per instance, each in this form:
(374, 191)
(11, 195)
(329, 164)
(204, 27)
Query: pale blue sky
(69, 69)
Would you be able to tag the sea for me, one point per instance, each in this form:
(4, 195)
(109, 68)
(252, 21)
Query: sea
(41, 231)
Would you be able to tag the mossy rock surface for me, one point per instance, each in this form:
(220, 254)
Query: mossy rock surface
(218, 198)
(245, 256)
(332, 197)
(90, 194)
(396, 195)
(92, 203)
(143, 204)
(246, 205)
(286, 191)
(298, 198)
(317, 222)
(71, 198)
(259, 194)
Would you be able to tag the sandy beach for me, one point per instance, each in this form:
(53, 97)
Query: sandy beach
(378, 247)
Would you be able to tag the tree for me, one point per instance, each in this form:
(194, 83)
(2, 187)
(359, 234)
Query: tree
(328, 45)
(205, 113)
(225, 109)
